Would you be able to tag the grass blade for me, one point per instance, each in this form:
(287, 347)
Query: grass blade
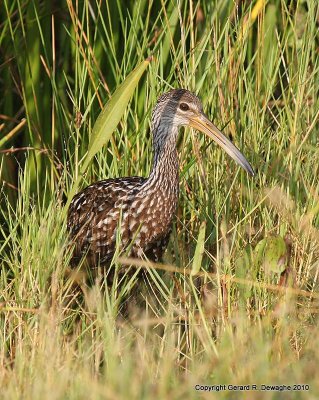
(199, 251)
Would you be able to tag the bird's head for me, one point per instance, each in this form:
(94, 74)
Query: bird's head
(180, 107)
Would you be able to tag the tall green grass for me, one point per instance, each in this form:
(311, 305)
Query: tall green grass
(187, 321)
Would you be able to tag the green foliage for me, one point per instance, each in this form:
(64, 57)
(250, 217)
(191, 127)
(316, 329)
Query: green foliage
(205, 318)
(272, 254)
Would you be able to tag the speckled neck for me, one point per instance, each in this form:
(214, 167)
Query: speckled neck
(165, 169)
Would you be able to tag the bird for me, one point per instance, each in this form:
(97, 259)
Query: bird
(136, 213)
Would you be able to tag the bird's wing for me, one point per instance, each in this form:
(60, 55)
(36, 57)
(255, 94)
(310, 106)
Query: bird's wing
(90, 208)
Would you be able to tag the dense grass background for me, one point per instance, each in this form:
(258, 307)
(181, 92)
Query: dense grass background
(255, 66)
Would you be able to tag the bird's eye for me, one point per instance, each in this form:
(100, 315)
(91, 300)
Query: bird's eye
(184, 106)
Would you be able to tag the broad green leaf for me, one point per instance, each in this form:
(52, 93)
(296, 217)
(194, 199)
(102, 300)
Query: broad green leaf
(199, 251)
(112, 113)
(108, 120)
(276, 255)
(272, 254)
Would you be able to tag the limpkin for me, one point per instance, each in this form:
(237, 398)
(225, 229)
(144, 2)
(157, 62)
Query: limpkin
(140, 210)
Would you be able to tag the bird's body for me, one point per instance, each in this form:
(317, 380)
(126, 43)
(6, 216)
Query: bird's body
(138, 212)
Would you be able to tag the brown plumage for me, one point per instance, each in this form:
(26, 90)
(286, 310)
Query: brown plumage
(137, 212)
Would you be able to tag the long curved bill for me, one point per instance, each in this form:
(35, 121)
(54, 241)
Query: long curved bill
(203, 124)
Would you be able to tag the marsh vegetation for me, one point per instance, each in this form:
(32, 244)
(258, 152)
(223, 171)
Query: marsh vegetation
(235, 300)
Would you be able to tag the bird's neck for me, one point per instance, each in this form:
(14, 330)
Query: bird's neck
(164, 174)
